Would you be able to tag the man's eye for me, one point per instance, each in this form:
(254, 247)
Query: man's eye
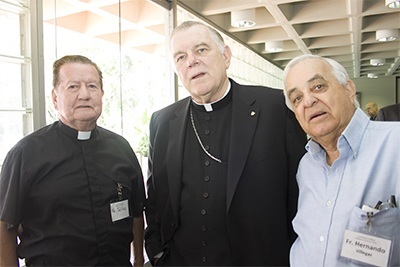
(318, 87)
(180, 58)
(296, 99)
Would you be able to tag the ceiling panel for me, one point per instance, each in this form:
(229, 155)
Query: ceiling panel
(341, 29)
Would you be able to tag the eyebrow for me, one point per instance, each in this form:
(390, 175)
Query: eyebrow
(194, 48)
(315, 77)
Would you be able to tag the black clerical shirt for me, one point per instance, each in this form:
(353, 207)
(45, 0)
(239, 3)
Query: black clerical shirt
(60, 188)
(202, 238)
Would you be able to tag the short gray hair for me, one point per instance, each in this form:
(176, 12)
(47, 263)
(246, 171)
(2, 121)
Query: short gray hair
(215, 35)
(338, 72)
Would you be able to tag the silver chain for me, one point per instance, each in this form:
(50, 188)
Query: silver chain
(198, 138)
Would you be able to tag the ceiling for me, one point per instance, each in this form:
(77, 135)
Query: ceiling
(340, 29)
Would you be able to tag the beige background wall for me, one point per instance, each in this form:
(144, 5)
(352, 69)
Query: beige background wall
(384, 91)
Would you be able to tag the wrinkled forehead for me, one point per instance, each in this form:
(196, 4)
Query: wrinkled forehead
(305, 70)
(190, 37)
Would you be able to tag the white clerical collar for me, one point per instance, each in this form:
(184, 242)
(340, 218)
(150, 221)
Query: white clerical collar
(208, 106)
(84, 135)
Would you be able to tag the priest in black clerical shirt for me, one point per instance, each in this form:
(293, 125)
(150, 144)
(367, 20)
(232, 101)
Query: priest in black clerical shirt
(222, 165)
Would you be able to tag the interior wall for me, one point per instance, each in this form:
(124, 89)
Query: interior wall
(384, 90)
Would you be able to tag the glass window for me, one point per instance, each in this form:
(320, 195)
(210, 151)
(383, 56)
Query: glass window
(12, 32)
(127, 40)
(15, 83)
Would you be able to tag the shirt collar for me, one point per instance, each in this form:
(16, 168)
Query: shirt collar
(215, 104)
(350, 138)
(78, 135)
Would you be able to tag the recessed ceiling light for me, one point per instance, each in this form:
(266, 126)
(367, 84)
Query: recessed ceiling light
(274, 46)
(387, 35)
(243, 18)
(392, 3)
(377, 61)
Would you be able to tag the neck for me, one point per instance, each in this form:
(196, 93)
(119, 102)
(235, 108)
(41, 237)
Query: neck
(213, 98)
(330, 147)
(331, 156)
(80, 126)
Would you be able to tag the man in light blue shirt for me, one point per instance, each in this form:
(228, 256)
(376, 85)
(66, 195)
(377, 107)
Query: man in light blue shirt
(351, 164)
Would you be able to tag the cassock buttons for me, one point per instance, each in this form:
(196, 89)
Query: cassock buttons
(207, 178)
(203, 212)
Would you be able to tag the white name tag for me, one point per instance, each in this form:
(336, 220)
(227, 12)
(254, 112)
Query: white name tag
(366, 248)
(119, 210)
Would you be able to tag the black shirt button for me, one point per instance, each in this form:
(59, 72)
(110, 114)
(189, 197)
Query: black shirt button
(207, 147)
(207, 117)
(207, 132)
(207, 178)
(204, 228)
(207, 163)
(204, 243)
(204, 259)
(203, 212)
(205, 195)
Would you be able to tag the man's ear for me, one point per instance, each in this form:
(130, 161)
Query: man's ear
(351, 88)
(54, 98)
(228, 56)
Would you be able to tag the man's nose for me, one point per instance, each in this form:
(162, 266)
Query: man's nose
(309, 100)
(192, 60)
(84, 91)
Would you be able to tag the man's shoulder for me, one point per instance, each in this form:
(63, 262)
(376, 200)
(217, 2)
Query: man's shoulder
(172, 108)
(391, 107)
(258, 90)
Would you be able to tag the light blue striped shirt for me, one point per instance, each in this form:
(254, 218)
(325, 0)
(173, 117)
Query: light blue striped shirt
(367, 170)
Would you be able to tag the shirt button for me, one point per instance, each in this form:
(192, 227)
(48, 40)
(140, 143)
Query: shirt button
(204, 243)
(207, 178)
(321, 238)
(204, 228)
(206, 163)
(204, 259)
(328, 203)
(207, 117)
(207, 132)
(207, 147)
(205, 195)
(203, 212)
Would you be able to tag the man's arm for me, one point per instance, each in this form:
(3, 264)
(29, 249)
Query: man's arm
(8, 246)
(138, 233)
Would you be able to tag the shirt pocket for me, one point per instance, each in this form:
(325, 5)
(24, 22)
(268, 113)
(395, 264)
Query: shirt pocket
(384, 224)
(123, 185)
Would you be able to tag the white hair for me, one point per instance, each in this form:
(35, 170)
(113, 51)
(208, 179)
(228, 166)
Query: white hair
(338, 72)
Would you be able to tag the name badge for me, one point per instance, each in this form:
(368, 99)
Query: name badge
(368, 249)
(119, 210)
